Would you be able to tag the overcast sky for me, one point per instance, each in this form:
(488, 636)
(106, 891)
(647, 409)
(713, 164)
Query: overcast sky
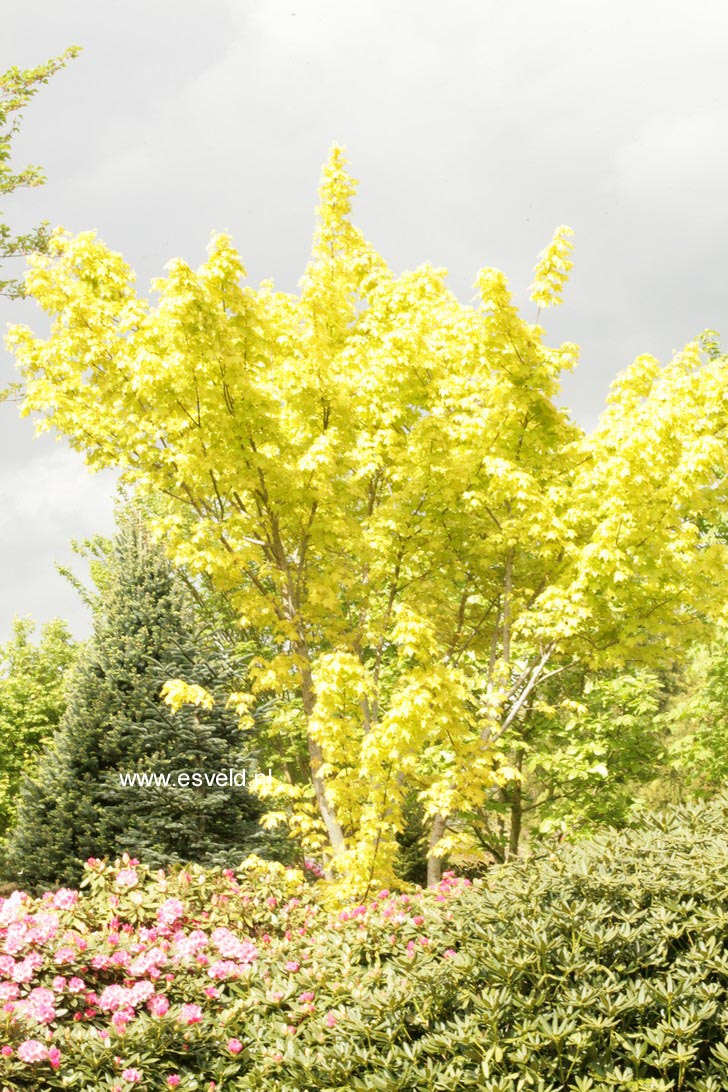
(475, 128)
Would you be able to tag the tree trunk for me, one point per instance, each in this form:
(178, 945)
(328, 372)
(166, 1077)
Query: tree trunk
(315, 754)
(434, 864)
(514, 836)
(333, 827)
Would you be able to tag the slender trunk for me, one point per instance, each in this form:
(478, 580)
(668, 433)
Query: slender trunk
(434, 864)
(516, 801)
(507, 607)
(332, 824)
(315, 754)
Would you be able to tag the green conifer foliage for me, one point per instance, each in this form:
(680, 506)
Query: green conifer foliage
(117, 724)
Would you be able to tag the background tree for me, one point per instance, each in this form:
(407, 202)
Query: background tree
(116, 722)
(32, 701)
(17, 88)
(384, 483)
(697, 719)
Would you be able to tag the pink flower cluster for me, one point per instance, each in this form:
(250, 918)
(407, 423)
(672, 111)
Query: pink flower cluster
(137, 950)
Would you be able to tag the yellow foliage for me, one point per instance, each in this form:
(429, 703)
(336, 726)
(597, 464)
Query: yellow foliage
(383, 481)
(176, 693)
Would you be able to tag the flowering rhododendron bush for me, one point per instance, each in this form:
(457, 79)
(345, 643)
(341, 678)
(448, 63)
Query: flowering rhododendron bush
(192, 980)
(600, 967)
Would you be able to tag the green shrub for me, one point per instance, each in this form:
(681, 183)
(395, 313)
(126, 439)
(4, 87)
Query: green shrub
(602, 967)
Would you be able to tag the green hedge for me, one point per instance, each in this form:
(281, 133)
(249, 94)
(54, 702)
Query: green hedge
(602, 967)
(605, 967)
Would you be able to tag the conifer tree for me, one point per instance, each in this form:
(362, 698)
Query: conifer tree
(117, 724)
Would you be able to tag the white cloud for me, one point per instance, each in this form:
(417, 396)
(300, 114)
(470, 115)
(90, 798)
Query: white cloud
(44, 503)
(677, 159)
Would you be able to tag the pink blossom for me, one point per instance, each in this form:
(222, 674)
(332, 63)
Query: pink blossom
(189, 1014)
(120, 1019)
(127, 878)
(11, 907)
(293, 966)
(113, 998)
(330, 1020)
(158, 1005)
(54, 1057)
(234, 1046)
(233, 947)
(212, 992)
(65, 954)
(170, 911)
(307, 996)
(131, 1075)
(139, 992)
(65, 898)
(43, 929)
(26, 968)
(7, 1051)
(224, 968)
(39, 1005)
(185, 947)
(173, 1080)
(155, 957)
(16, 937)
(32, 1051)
(76, 984)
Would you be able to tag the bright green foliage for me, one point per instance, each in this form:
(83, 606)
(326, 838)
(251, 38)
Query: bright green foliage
(584, 751)
(116, 723)
(600, 968)
(17, 88)
(384, 483)
(698, 718)
(32, 700)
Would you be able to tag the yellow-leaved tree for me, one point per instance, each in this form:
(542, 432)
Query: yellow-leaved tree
(382, 481)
